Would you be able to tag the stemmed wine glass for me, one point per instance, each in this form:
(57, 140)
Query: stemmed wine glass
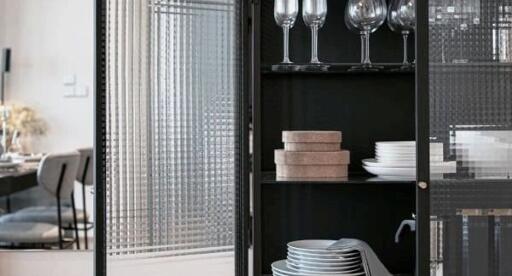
(314, 13)
(406, 15)
(399, 21)
(365, 17)
(285, 14)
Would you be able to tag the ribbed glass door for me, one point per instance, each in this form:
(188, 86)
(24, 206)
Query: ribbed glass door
(470, 117)
(173, 95)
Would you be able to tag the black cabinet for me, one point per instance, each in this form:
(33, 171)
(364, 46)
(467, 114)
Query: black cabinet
(366, 106)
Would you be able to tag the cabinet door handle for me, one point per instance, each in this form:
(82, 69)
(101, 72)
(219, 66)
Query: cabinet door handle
(422, 185)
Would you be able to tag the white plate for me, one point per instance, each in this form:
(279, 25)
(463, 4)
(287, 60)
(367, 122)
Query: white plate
(326, 255)
(406, 157)
(315, 246)
(396, 143)
(305, 268)
(371, 162)
(399, 164)
(323, 261)
(447, 167)
(281, 268)
(401, 144)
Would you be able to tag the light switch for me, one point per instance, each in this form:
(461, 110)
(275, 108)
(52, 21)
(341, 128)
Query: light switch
(69, 80)
(82, 91)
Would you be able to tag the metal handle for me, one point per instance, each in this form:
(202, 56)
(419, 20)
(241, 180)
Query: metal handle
(412, 227)
(423, 185)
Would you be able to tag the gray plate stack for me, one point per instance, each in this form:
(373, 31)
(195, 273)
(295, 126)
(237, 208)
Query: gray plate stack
(312, 154)
(313, 258)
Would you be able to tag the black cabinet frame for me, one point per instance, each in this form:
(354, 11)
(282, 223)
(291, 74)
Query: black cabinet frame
(242, 188)
(248, 226)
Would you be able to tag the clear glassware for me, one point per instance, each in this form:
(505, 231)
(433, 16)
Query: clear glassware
(285, 14)
(314, 13)
(396, 26)
(406, 19)
(365, 17)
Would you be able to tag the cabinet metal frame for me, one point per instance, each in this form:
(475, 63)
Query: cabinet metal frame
(422, 138)
(242, 187)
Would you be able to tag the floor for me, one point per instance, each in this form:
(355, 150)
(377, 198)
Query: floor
(74, 263)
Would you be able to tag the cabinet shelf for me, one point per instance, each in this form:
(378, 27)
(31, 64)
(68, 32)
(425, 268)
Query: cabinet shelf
(270, 178)
(333, 68)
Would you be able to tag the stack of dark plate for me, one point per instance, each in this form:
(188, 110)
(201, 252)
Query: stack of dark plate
(314, 258)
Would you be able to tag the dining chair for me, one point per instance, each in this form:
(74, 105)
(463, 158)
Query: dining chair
(85, 178)
(56, 175)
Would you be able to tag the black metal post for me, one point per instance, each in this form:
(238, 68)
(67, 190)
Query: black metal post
(59, 214)
(73, 207)
(100, 256)
(84, 175)
(423, 141)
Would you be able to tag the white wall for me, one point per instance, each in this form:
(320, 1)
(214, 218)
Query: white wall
(52, 40)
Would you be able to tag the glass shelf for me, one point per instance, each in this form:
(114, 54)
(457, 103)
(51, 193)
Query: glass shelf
(334, 68)
(270, 178)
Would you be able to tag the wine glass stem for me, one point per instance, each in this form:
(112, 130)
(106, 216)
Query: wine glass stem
(405, 36)
(286, 43)
(365, 48)
(314, 44)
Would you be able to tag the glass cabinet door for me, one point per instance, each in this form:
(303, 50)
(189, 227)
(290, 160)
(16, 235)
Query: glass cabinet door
(465, 129)
(173, 137)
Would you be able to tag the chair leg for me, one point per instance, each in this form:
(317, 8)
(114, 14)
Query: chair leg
(59, 213)
(59, 219)
(85, 217)
(75, 221)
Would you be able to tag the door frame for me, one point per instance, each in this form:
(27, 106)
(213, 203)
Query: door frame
(100, 88)
(242, 187)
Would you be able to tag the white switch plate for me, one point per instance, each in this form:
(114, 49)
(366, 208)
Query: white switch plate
(82, 91)
(69, 80)
(69, 91)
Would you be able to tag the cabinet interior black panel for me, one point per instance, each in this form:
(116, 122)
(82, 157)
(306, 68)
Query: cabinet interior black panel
(368, 211)
(336, 42)
(367, 108)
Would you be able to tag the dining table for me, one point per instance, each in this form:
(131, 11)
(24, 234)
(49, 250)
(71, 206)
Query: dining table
(22, 178)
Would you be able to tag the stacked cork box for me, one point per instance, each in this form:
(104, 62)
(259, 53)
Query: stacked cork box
(312, 154)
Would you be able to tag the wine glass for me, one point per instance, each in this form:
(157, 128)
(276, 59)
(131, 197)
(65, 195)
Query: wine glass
(285, 14)
(402, 19)
(365, 17)
(406, 15)
(314, 13)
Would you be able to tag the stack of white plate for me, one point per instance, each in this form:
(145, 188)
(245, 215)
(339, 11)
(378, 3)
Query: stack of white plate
(398, 160)
(313, 258)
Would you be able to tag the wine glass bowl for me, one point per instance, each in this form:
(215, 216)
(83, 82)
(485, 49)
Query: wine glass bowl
(285, 15)
(402, 19)
(285, 12)
(406, 14)
(392, 19)
(314, 13)
(365, 17)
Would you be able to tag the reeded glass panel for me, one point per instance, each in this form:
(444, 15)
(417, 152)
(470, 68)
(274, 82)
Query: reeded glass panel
(172, 130)
(471, 115)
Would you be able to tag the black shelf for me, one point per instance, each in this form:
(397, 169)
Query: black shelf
(360, 179)
(334, 68)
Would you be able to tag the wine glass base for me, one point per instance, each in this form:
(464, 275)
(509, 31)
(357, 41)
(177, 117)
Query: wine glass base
(315, 67)
(365, 68)
(405, 67)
